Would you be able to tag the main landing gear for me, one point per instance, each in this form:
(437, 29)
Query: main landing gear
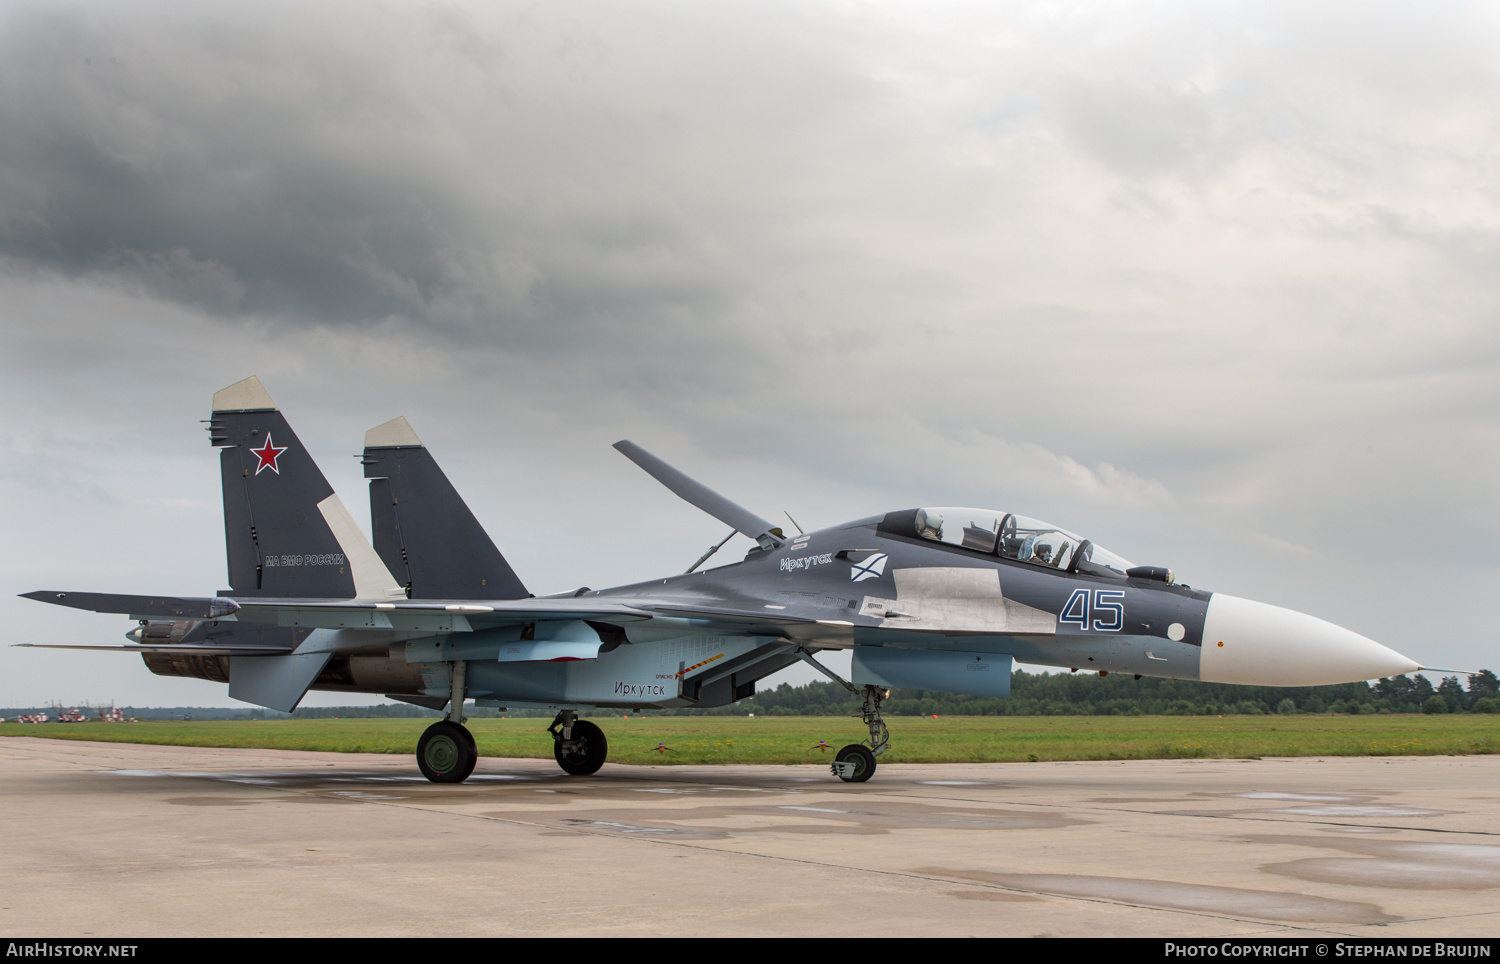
(446, 752)
(578, 745)
(855, 763)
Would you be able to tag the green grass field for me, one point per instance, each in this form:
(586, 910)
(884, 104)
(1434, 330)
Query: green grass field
(792, 739)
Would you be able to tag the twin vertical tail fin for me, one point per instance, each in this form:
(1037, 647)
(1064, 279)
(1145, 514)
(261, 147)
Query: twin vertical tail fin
(424, 533)
(289, 536)
(287, 533)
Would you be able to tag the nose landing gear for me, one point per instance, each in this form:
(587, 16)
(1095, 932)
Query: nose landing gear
(855, 763)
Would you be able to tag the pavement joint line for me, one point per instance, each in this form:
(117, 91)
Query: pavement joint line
(1406, 921)
(1181, 814)
(824, 865)
(1335, 823)
(1424, 920)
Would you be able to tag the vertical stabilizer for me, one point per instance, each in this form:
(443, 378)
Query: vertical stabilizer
(285, 530)
(424, 532)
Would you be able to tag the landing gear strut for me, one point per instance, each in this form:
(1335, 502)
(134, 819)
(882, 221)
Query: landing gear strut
(855, 763)
(578, 745)
(446, 752)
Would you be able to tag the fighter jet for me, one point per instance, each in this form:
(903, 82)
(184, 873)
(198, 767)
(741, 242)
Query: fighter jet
(935, 597)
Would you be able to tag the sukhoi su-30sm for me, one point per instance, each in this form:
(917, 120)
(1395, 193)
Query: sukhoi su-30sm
(937, 598)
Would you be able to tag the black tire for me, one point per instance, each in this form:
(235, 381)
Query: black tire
(446, 753)
(585, 753)
(473, 754)
(863, 760)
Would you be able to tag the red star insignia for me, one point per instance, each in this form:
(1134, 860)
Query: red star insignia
(268, 453)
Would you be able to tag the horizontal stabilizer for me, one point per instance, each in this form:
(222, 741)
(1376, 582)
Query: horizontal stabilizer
(696, 493)
(178, 649)
(162, 606)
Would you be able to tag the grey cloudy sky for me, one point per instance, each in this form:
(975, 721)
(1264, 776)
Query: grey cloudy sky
(1212, 283)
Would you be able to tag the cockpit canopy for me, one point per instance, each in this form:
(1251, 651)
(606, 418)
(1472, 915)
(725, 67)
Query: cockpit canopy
(1017, 537)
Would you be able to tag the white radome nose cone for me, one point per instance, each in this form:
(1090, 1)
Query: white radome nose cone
(1253, 643)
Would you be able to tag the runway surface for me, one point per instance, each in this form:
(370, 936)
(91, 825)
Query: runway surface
(111, 839)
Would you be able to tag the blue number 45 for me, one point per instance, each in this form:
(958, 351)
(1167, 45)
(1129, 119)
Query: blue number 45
(1101, 607)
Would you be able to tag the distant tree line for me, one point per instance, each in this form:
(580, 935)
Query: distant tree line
(1072, 694)
(1079, 694)
(1032, 694)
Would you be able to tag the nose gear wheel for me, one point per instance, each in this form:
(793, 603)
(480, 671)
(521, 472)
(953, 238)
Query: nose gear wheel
(854, 763)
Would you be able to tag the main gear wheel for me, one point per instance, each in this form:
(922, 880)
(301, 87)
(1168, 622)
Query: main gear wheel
(583, 753)
(446, 752)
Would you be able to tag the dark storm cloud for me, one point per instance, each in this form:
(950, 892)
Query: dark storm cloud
(245, 168)
(123, 162)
